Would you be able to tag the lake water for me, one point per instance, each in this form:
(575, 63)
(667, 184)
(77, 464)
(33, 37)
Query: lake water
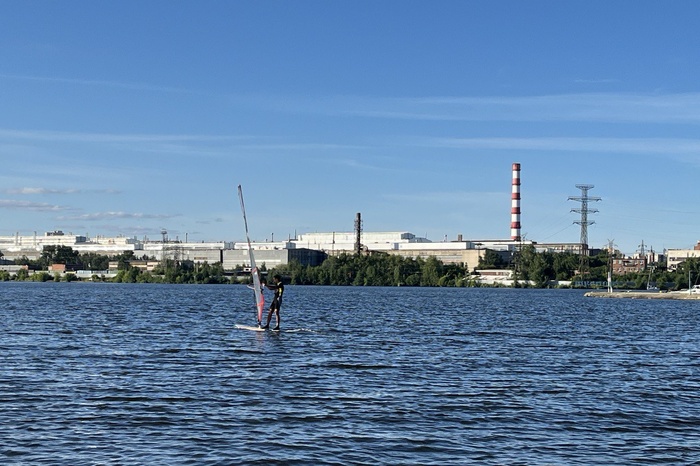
(157, 374)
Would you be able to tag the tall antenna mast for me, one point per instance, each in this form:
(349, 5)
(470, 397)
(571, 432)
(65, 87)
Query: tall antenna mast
(584, 210)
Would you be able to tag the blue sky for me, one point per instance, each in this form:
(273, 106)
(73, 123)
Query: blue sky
(129, 117)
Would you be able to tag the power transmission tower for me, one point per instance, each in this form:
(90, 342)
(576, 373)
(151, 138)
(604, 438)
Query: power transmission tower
(643, 251)
(584, 210)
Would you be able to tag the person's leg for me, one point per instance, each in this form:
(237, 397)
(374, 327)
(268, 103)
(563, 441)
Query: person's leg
(269, 318)
(277, 318)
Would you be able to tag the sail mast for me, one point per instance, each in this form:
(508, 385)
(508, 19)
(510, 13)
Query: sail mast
(255, 273)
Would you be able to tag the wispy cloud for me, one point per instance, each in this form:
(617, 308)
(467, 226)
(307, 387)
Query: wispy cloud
(98, 216)
(109, 228)
(357, 164)
(201, 145)
(610, 145)
(26, 205)
(596, 81)
(300, 146)
(100, 83)
(213, 146)
(28, 190)
(66, 136)
(209, 222)
(596, 106)
(591, 107)
(41, 191)
(444, 197)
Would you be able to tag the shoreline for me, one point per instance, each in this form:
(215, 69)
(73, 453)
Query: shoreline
(644, 295)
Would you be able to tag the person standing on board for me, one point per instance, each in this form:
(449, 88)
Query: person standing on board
(278, 288)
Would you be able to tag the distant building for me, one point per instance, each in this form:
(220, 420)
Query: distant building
(408, 245)
(628, 265)
(13, 269)
(31, 246)
(574, 248)
(675, 257)
(143, 265)
(307, 249)
(344, 242)
(270, 258)
(58, 268)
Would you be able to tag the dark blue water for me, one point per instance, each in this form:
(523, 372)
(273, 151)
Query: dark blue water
(156, 374)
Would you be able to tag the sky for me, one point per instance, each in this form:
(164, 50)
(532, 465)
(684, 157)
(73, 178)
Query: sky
(126, 118)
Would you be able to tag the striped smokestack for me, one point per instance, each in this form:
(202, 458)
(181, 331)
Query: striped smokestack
(515, 205)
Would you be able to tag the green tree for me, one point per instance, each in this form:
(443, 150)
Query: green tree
(452, 275)
(543, 270)
(688, 273)
(124, 259)
(94, 261)
(431, 269)
(564, 265)
(128, 276)
(58, 255)
(41, 277)
(491, 260)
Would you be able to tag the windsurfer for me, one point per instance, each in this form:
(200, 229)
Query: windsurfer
(278, 288)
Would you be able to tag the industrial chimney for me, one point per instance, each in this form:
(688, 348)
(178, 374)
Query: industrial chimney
(515, 205)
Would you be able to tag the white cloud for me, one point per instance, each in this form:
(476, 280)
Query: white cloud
(451, 197)
(592, 107)
(67, 136)
(28, 190)
(26, 205)
(587, 144)
(115, 215)
(101, 83)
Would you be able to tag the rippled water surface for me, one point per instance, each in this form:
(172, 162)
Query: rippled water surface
(157, 374)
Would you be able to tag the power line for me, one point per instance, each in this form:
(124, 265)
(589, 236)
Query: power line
(584, 210)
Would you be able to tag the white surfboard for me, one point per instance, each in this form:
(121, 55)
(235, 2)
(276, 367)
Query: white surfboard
(250, 327)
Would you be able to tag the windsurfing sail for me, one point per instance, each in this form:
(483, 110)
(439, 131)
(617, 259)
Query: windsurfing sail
(257, 286)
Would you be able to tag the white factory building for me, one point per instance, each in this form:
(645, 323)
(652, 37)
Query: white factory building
(308, 248)
(675, 257)
(31, 246)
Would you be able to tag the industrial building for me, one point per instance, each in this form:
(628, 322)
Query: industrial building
(229, 254)
(31, 246)
(675, 257)
(627, 265)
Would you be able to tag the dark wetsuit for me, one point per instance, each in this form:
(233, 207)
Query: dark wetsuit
(276, 303)
(277, 299)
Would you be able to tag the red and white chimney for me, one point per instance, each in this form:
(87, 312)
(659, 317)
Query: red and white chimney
(515, 205)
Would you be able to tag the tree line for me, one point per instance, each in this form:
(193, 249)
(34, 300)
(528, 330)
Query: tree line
(530, 268)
